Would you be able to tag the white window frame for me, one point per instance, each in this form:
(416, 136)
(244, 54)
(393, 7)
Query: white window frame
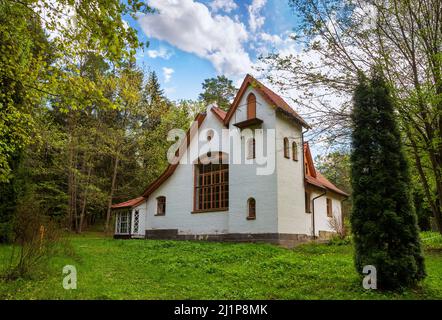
(136, 223)
(123, 217)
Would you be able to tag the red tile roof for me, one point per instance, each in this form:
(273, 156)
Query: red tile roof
(221, 114)
(271, 97)
(314, 177)
(129, 203)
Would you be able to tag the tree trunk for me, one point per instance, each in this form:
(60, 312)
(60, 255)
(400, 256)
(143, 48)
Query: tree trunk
(83, 207)
(109, 205)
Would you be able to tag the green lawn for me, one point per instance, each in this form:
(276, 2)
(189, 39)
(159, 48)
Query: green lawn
(140, 269)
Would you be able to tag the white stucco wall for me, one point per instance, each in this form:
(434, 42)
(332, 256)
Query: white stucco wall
(292, 217)
(322, 222)
(245, 182)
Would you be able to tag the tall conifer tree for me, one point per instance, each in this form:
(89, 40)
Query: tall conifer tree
(383, 218)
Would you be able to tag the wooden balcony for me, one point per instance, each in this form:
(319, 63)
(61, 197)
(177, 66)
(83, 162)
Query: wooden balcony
(248, 123)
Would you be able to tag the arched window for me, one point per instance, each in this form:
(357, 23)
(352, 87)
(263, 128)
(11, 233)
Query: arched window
(251, 106)
(294, 151)
(251, 148)
(251, 207)
(161, 206)
(286, 148)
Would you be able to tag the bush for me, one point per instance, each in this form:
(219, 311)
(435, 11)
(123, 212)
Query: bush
(35, 239)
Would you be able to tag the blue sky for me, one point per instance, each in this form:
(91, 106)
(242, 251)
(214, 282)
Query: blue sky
(193, 40)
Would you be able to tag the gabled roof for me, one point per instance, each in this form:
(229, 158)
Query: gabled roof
(219, 113)
(169, 170)
(272, 98)
(314, 177)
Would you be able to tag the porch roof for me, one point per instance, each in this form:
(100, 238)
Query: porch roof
(129, 203)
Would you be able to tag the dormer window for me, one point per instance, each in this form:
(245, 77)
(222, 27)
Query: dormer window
(251, 106)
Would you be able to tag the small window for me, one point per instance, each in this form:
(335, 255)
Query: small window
(251, 106)
(329, 208)
(307, 203)
(161, 206)
(251, 204)
(294, 151)
(286, 148)
(251, 146)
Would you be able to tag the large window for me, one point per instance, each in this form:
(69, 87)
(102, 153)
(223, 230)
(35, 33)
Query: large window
(211, 187)
(123, 222)
(251, 106)
(161, 206)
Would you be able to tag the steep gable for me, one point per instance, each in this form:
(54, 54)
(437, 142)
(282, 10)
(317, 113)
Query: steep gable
(272, 98)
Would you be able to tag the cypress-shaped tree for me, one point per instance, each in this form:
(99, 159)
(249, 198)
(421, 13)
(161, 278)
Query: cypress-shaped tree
(383, 219)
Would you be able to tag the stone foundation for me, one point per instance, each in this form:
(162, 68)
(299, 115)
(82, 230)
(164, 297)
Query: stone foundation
(284, 239)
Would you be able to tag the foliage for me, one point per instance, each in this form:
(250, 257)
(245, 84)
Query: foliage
(219, 90)
(155, 269)
(34, 241)
(383, 218)
(341, 38)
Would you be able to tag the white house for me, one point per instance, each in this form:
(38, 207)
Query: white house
(263, 186)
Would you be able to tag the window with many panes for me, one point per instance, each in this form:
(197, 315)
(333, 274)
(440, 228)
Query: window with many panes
(123, 223)
(211, 187)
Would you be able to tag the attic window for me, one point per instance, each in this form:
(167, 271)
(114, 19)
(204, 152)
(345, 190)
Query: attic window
(251, 106)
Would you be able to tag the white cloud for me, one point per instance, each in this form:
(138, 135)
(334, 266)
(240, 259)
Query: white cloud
(160, 53)
(224, 5)
(191, 27)
(256, 20)
(272, 38)
(167, 74)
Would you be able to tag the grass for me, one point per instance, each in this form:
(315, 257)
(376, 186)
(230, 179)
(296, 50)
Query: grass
(139, 269)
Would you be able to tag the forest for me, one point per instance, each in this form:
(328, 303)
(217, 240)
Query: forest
(83, 126)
